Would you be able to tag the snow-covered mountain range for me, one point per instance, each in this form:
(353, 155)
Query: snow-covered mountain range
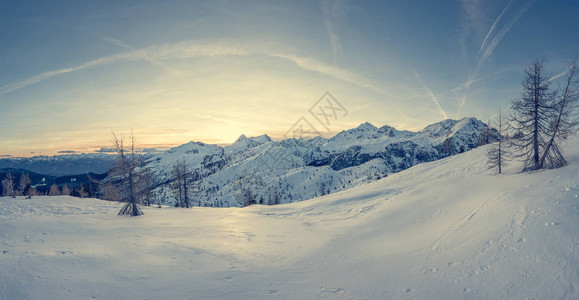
(259, 170)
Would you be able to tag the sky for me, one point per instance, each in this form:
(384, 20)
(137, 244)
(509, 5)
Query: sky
(175, 71)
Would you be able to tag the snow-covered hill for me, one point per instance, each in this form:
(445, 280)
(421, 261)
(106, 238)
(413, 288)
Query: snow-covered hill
(260, 170)
(448, 229)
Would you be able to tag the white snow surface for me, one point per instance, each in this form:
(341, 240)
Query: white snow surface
(449, 229)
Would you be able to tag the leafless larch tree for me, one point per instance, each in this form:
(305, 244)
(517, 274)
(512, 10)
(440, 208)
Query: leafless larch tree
(128, 178)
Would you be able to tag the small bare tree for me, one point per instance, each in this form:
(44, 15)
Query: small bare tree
(498, 153)
(54, 191)
(128, 176)
(82, 193)
(65, 191)
(110, 192)
(182, 181)
(31, 192)
(25, 184)
(8, 185)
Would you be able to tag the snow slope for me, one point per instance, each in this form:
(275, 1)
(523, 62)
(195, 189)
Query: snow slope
(449, 229)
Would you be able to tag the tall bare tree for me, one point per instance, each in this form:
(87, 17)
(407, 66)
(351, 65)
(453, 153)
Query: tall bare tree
(128, 176)
(498, 153)
(564, 121)
(531, 115)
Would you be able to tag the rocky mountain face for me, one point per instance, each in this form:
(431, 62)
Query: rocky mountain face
(258, 170)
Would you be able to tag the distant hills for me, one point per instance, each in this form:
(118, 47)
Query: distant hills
(60, 165)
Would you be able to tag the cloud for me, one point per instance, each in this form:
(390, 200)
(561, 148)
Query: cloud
(5, 155)
(493, 28)
(151, 150)
(560, 74)
(191, 49)
(432, 96)
(115, 41)
(486, 49)
(499, 36)
(186, 49)
(333, 12)
(68, 152)
(331, 71)
(471, 20)
(105, 150)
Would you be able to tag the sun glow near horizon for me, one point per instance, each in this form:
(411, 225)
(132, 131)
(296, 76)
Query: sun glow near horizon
(196, 71)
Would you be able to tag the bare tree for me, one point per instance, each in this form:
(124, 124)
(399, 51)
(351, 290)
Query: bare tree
(31, 192)
(65, 190)
(110, 192)
(82, 191)
(182, 183)
(54, 191)
(128, 176)
(146, 185)
(8, 185)
(531, 115)
(497, 153)
(564, 122)
(24, 184)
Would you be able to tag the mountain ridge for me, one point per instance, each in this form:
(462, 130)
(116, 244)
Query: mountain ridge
(259, 170)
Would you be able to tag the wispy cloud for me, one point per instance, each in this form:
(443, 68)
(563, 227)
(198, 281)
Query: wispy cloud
(115, 42)
(191, 49)
(487, 47)
(433, 97)
(471, 20)
(124, 45)
(333, 12)
(332, 71)
(186, 49)
(493, 28)
(68, 152)
(554, 77)
(506, 28)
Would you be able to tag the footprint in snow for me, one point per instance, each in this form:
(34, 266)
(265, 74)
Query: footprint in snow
(332, 290)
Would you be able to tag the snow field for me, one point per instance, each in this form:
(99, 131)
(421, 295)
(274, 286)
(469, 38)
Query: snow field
(449, 229)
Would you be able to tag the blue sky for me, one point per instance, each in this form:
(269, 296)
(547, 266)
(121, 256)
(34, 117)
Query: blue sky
(175, 71)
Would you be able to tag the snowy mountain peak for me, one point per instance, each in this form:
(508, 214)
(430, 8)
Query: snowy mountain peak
(450, 127)
(264, 138)
(243, 143)
(366, 126)
(240, 139)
